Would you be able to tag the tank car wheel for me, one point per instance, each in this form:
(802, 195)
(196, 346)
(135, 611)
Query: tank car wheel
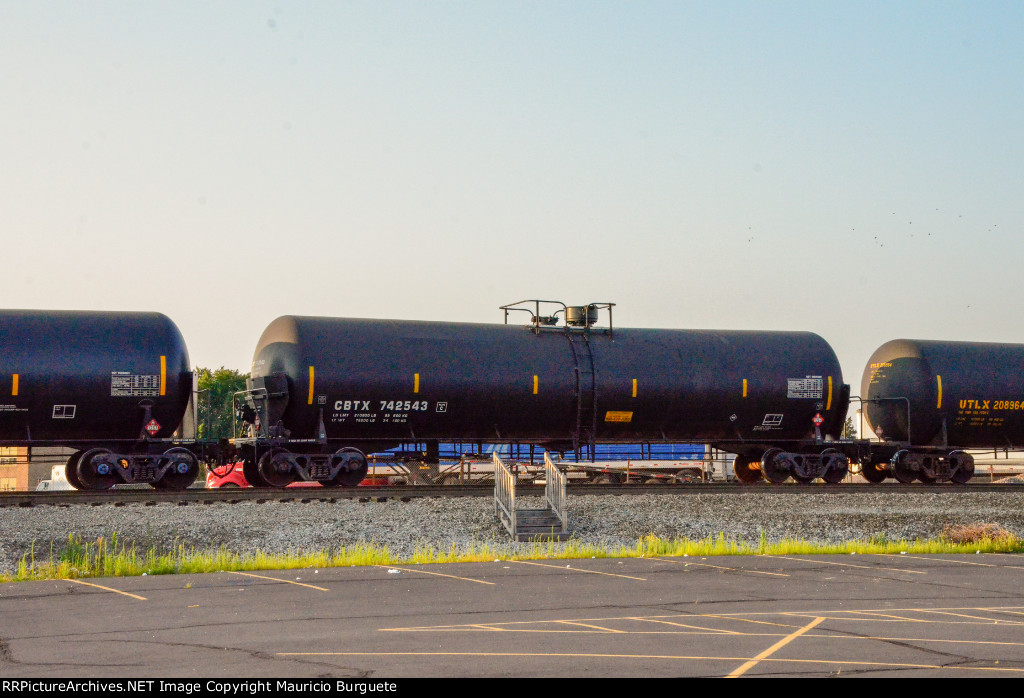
(71, 471)
(357, 469)
(251, 472)
(746, 469)
(834, 477)
(95, 475)
(964, 467)
(183, 472)
(835, 474)
(275, 470)
(774, 466)
(901, 469)
(874, 472)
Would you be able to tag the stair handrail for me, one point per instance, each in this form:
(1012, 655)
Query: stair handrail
(504, 494)
(555, 490)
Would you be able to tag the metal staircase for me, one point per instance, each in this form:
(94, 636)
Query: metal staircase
(547, 524)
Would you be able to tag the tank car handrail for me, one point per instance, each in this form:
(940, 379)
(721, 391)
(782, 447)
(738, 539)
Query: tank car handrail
(862, 400)
(537, 317)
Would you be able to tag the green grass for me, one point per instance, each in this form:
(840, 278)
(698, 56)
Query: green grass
(113, 558)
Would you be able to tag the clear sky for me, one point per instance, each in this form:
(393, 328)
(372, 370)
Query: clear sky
(855, 169)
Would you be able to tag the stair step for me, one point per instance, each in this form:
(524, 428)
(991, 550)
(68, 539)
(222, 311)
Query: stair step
(535, 514)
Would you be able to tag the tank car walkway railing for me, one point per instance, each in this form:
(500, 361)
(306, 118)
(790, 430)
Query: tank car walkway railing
(554, 491)
(531, 524)
(505, 495)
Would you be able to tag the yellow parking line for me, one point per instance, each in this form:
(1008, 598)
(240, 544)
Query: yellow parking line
(647, 657)
(742, 669)
(846, 564)
(872, 615)
(436, 574)
(116, 591)
(746, 620)
(716, 631)
(994, 621)
(579, 569)
(275, 579)
(717, 567)
(592, 627)
(940, 559)
(1002, 610)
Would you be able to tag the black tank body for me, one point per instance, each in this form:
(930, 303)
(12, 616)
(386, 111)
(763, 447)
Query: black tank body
(391, 379)
(935, 393)
(70, 376)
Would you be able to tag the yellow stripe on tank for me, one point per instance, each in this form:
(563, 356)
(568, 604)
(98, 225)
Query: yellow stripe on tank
(163, 376)
(744, 387)
(312, 382)
(415, 382)
(938, 379)
(14, 385)
(634, 387)
(536, 385)
(828, 405)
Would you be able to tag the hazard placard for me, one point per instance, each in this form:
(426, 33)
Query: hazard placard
(153, 427)
(818, 420)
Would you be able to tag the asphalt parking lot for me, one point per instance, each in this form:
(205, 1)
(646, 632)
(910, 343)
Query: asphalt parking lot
(876, 615)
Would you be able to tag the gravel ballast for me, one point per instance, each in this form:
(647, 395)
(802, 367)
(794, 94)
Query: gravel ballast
(442, 523)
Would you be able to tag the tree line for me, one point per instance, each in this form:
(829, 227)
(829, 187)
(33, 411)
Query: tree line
(217, 388)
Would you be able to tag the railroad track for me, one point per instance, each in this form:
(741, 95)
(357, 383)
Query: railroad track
(198, 496)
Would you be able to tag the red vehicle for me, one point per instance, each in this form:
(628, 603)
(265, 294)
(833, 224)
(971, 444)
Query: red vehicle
(232, 476)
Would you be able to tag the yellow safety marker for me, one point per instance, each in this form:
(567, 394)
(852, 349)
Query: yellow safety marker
(435, 574)
(634, 387)
(828, 405)
(312, 381)
(938, 378)
(163, 376)
(744, 387)
(116, 591)
(739, 671)
(275, 579)
(578, 569)
(717, 567)
(14, 385)
(415, 382)
(536, 384)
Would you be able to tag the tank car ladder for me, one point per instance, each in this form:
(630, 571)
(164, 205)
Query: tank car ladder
(585, 435)
(548, 524)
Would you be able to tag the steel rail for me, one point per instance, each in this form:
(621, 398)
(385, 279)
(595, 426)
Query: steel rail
(120, 497)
